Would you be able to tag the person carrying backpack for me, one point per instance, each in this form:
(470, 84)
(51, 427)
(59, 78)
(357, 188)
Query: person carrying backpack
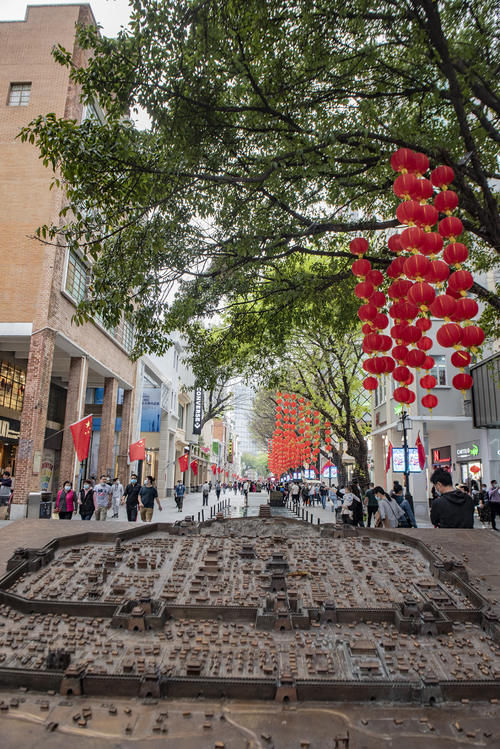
(494, 502)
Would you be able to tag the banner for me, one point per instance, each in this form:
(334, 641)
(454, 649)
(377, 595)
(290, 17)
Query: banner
(389, 457)
(81, 432)
(194, 467)
(197, 410)
(183, 462)
(230, 451)
(421, 452)
(137, 450)
(214, 468)
(215, 448)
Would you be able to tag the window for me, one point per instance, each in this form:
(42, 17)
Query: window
(128, 336)
(76, 277)
(180, 416)
(439, 371)
(19, 94)
(380, 392)
(12, 381)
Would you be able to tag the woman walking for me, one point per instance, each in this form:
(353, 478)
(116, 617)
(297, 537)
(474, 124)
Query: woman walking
(65, 501)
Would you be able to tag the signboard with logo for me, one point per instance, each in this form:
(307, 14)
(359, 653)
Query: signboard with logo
(441, 456)
(467, 451)
(150, 417)
(197, 410)
(230, 451)
(9, 430)
(330, 473)
(398, 460)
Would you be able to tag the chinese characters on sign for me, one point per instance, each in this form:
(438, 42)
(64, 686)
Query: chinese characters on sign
(197, 410)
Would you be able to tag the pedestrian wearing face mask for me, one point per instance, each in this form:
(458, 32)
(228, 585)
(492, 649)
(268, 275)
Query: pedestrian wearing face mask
(65, 501)
(131, 498)
(86, 500)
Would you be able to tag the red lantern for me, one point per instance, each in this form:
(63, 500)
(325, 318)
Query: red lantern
(429, 401)
(428, 216)
(403, 185)
(412, 394)
(432, 243)
(443, 306)
(446, 201)
(402, 395)
(451, 226)
(475, 469)
(412, 238)
(385, 343)
(371, 342)
(410, 212)
(367, 312)
(461, 280)
(449, 334)
(415, 358)
(364, 290)
(461, 359)
(394, 243)
(378, 299)
(438, 272)
(422, 190)
(397, 332)
(425, 343)
(417, 266)
(366, 328)
(428, 382)
(428, 364)
(389, 363)
(422, 294)
(358, 246)
(403, 310)
(361, 267)
(381, 321)
(395, 269)
(421, 162)
(403, 160)
(442, 176)
(368, 367)
(462, 381)
(375, 277)
(370, 383)
(401, 374)
(400, 353)
(466, 309)
(379, 365)
(423, 324)
(399, 289)
(410, 334)
(456, 252)
(472, 336)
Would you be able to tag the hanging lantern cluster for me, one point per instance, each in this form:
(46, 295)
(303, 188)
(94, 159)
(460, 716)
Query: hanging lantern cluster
(297, 434)
(421, 285)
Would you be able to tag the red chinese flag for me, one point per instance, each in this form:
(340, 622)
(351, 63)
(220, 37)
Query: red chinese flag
(421, 452)
(81, 432)
(214, 468)
(389, 457)
(194, 467)
(219, 470)
(137, 450)
(184, 462)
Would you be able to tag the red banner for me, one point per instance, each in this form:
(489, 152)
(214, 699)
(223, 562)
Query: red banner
(214, 468)
(421, 452)
(183, 462)
(194, 467)
(389, 457)
(137, 450)
(81, 432)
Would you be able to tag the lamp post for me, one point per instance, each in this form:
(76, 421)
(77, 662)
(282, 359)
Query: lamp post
(403, 425)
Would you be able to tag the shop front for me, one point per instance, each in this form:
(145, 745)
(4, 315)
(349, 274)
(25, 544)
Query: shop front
(469, 462)
(9, 440)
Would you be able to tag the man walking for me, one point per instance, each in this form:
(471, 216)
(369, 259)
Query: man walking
(102, 498)
(452, 508)
(494, 503)
(147, 497)
(205, 490)
(131, 497)
(371, 503)
(116, 495)
(180, 490)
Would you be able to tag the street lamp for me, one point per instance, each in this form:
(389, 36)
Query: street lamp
(403, 425)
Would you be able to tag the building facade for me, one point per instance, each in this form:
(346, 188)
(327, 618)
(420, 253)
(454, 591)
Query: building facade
(53, 372)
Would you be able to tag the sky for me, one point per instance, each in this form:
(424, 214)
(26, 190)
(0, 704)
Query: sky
(110, 14)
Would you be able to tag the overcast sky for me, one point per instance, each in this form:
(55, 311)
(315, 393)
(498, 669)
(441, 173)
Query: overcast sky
(110, 14)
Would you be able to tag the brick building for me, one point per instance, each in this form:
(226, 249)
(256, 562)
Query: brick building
(52, 372)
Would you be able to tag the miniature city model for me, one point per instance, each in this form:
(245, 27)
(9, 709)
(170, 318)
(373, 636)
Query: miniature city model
(260, 609)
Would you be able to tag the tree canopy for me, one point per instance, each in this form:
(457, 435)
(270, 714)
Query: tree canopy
(272, 123)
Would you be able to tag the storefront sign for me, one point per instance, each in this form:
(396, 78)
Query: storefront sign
(467, 451)
(9, 429)
(441, 456)
(230, 451)
(151, 416)
(197, 410)
(398, 460)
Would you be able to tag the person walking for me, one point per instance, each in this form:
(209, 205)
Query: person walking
(217, 489)
(389, 513)
(205, 490)
(86, 500)
(65, 503)
(147, 497)
(371, 503)
(352, 508)
(180, 490)
(397, 494)
(295, 492)
(131, 498)
(102, 498)
(453, 508)
(116, 495)
(494, 503)
(323, 493)
(246, 487)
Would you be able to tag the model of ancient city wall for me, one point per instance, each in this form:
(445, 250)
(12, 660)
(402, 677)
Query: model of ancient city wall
(255, 609)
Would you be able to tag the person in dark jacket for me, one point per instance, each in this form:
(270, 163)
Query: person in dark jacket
(454, 508)
(86, 500)
(131, 497)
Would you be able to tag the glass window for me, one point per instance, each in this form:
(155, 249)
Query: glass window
(19, 94)
(76, 277)
(439, 371)
(128, 335)
(180, 416)
(381, 392)
(12, 382)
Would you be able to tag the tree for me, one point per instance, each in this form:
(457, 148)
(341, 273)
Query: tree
(271, 128)
(262, 417)
(256, 462)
